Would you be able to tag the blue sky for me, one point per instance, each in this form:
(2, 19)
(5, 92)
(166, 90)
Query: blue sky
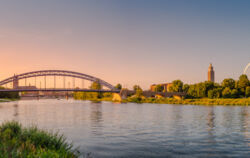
(130, 41)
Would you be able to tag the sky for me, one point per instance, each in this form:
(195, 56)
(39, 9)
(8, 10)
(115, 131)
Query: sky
(126, 41)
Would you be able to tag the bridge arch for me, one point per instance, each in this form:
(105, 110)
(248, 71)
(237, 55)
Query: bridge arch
(73, 74)
(245, 70)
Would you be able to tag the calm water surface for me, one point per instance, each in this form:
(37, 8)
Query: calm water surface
(140, 130)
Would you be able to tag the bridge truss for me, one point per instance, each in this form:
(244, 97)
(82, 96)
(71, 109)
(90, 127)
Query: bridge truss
(15, 79)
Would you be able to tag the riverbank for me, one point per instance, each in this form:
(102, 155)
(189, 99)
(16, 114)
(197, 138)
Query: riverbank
(7, 100)
(204, 101)
(162, 100)
(16, 141)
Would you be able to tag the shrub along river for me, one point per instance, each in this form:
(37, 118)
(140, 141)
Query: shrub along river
(139, 130)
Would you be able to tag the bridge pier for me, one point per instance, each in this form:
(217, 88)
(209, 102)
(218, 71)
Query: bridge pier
(67, 96)
(15, 82)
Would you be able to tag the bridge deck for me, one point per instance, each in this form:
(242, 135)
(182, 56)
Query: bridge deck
(58, 90)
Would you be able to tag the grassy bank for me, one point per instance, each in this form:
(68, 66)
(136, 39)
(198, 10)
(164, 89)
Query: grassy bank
(141, 99)
(93, 96)
(19, 142)
(205, 101)
(7, 99)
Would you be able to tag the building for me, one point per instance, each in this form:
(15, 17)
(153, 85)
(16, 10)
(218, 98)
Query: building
(164, 85)
(152, 87)
(210, 74)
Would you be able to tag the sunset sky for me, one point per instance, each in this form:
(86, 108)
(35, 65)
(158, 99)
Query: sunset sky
(126, 41)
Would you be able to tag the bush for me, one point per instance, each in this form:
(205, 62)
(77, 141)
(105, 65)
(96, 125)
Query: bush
(19, 142)
(226, 93)
(234, 93)
(214, 93)
(248, 91)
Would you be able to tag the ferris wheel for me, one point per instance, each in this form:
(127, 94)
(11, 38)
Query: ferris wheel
(245, 70)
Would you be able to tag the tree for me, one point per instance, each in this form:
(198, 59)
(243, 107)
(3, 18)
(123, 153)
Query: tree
(136, 87)
(243, 83)
(200, 90)
(228, 82)
(96, 85)
(185, 88)
(211, 94)
(176, 86)
(159, 88)
(214, 93)
(139, 92)
(191, 93)
(234, 93)
(226, 93)
(118, 86)
(208, 85)
(248, 91)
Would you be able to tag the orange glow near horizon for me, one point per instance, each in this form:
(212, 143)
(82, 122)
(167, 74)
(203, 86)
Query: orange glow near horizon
(123, 45)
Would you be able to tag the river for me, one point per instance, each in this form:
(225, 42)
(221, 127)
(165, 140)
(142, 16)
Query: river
(139, 130)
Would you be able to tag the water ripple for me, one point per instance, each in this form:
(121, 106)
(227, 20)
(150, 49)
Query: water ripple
(140, 130)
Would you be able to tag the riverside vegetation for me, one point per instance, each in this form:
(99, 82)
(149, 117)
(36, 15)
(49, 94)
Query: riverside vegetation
(19, 142)
(8, 96)
(204, 101)
(229, 92)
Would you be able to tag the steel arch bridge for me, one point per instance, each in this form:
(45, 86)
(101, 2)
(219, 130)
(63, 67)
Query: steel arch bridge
(14, 79)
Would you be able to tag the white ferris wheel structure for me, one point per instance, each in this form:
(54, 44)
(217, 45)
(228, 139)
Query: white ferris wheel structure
(246, 68)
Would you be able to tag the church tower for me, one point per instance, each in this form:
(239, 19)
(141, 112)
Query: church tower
(210, 73)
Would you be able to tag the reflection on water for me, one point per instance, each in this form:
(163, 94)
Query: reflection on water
(15, 110)
(246, 123)
(211, 125)
(96, 118)
(140, 130)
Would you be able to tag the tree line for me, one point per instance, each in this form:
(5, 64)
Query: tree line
(228, 88)
(10, 95)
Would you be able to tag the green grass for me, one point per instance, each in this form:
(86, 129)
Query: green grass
(7, 99)
(19, 142)
(204, 101)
